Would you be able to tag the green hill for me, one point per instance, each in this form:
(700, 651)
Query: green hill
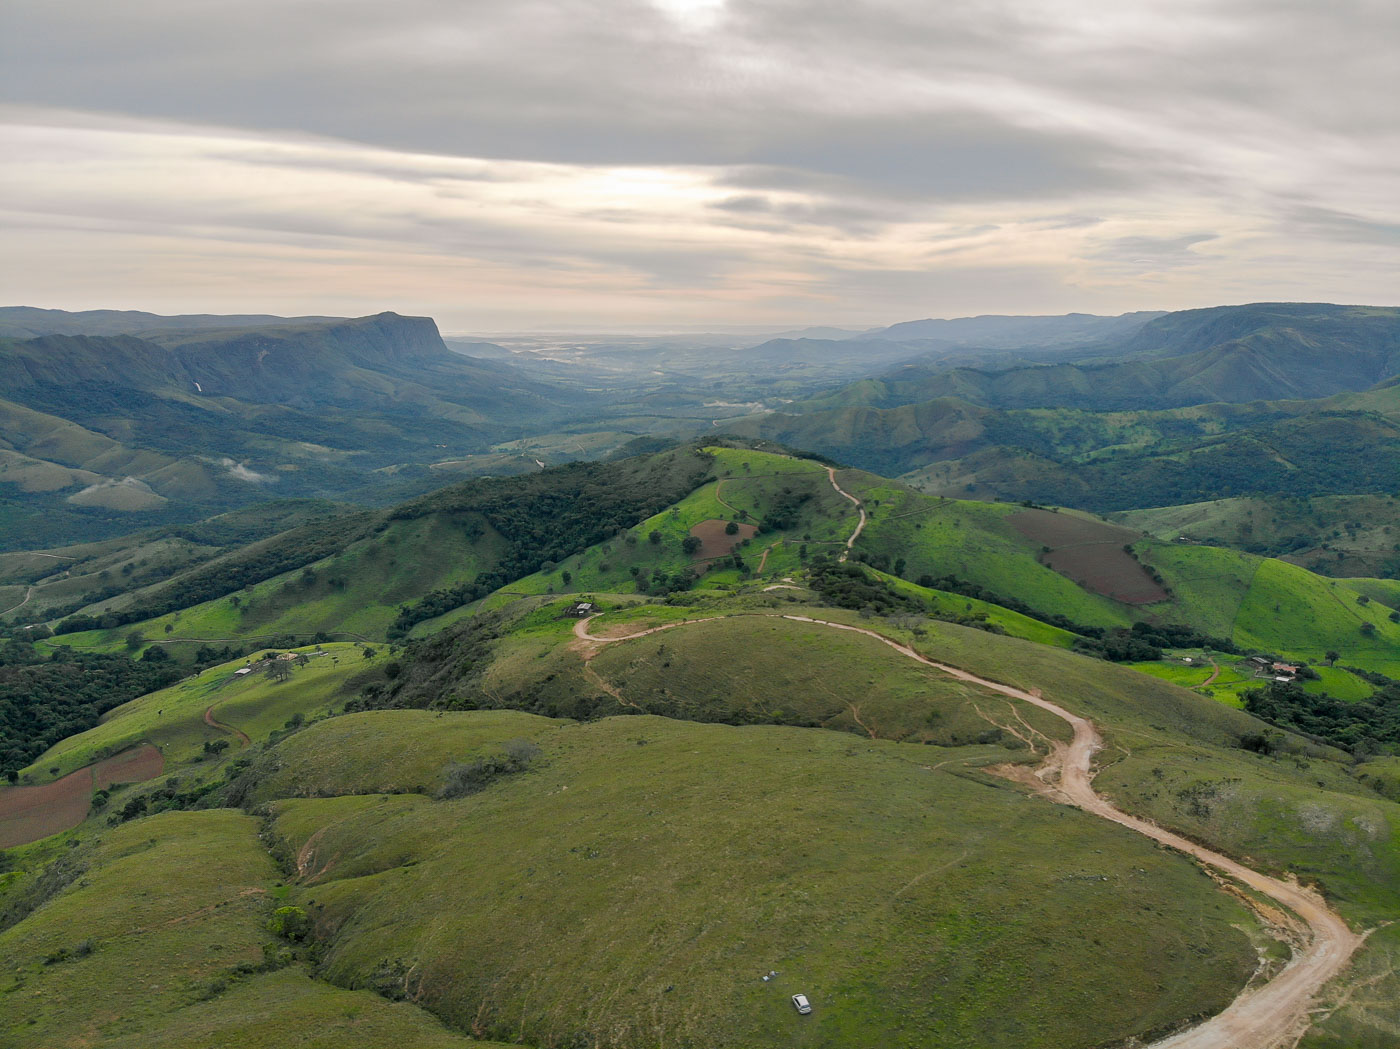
(1346, 535)
(1237, 354)
(630, 879)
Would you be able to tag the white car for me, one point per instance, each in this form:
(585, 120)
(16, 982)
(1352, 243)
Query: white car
(800, 1003)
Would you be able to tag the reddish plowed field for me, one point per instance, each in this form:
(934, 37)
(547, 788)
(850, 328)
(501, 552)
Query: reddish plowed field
(714, 542)
(1091, 553)
(30, 813)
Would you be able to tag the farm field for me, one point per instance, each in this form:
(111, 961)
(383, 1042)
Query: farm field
(30, 813)
(1092, 553)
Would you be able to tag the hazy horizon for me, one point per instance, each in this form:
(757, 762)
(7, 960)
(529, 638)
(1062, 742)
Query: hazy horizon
(655, 164)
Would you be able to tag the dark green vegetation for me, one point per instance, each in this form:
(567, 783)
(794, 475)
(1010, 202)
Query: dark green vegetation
(1194, 406)
(1365, 727)
(45, 699)
(456, 811)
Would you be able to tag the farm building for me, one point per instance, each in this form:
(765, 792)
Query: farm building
(579, 609)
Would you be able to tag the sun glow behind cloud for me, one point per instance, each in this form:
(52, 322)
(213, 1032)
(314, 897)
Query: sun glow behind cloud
(664, 161)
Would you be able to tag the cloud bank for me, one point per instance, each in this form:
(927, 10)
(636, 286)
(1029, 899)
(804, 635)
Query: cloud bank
(555, 164)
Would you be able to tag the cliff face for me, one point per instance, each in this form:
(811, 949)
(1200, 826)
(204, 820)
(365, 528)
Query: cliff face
(373, 362)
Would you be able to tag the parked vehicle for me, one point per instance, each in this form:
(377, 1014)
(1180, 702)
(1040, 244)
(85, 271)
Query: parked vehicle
(800, 1003)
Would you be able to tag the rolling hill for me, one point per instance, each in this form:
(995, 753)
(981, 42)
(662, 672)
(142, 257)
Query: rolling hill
(747, 771)
(1229, 354)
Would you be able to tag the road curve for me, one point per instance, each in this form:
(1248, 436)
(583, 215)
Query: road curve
(1269, 1016)
(27, 595)
(215, 723)
(851, 542)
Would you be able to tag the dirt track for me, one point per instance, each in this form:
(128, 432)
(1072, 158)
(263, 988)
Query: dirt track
(27, 595)
(213, 722)
(1270, 1016)
(851, 542)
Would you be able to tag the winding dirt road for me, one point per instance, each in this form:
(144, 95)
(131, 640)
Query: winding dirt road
(851, 542)
(27, 595)
(215, 723)
(1269, 1016)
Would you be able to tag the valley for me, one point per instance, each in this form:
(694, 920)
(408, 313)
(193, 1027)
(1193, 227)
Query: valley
(628, 749)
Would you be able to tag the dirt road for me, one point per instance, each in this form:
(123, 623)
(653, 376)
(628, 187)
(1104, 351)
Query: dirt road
(851, 542)
(214, 722)
(27, 595)
(1270, 1016)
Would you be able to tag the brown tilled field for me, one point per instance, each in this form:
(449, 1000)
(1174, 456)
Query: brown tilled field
(714, 543)
(30, 813)
(1091, 553)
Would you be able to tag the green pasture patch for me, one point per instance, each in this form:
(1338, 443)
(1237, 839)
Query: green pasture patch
(1291, 611)
(1339, 684)
(162, 943)
(384, 751)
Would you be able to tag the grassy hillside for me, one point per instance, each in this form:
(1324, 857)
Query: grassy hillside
(631, 879)
(174, 718)
(1347, 535)
(190, 963)
(680, 899)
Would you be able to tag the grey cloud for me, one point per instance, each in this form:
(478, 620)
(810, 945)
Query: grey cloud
(1154, 252)
(1331, 224)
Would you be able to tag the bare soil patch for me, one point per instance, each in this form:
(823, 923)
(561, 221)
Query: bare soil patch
(715, 543)
(1091, 553)
(30, 813)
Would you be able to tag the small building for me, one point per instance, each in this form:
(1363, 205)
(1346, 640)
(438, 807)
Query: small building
(579, 609)
(243, 670)
(1284, 668)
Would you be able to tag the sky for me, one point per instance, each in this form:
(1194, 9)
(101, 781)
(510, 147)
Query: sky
(667, 164)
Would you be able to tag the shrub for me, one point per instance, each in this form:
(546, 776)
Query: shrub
(290, 923)
(464, 778)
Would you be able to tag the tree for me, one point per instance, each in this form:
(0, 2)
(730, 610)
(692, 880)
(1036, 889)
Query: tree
(568, 576)
(690, 544)
(290, 923)
(731, 528)
(654, 538)
(279, 670)
(1332, 657)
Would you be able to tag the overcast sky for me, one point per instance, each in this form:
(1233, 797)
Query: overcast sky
(565, 164)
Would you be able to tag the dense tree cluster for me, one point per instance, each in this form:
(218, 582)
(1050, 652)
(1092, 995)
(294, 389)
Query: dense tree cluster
(1370, 726)
(784, 509)
(547, 517)
(292, 549)
(46, 699)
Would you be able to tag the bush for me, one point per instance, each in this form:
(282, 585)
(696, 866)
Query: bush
(464, 778)
(290, 923)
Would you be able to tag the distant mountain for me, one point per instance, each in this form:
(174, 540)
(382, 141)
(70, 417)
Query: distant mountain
(1072, 329)
(104, 433)
(1112, 460)
(27, 322)
(1233, 354)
